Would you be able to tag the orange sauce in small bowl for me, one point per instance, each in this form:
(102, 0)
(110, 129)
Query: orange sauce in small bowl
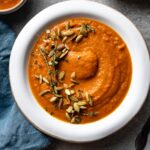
(8, 4)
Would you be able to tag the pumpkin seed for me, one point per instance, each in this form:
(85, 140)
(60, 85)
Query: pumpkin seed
(44, 92)
(46, 41)
(74, 99)
(63, 54)
(73, 75)
(76, 119)
(73, 37)
(53, 99)
(89, 99)
(50, 63)
(68, 97)
(59, 88)
(45, 80)
(82, 103)
(83, 107)
(73, 120)
(58, 95)
(74, 81)
(53, 35)
(48, 31)
(66, 46)
(89, 28)
(72, 92)
(87, 96)
(64, 50)
(58, 32)
(76, 107)
(67, 91)
(67, 33)
(83, 30)
(64, 39)
(60, 103)
(68, 116)
(61, 75)
(69, 109)
(36, 76)
(79, 38)
(60, 47)
(56, 92)
(41, 79)
(67, 25)
(51, 53)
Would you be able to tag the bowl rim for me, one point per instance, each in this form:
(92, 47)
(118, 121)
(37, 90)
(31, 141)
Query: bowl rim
(14, 8)
(54, 131)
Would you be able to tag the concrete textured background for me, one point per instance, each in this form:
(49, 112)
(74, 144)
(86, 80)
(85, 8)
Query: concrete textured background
(138, 11)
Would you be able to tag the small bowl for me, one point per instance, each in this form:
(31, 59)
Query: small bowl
(13, 9)
(19, 76)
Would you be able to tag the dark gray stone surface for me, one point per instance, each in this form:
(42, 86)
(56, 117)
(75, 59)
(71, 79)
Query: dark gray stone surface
(138, 11)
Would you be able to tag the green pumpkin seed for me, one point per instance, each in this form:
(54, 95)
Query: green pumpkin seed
(60, 103)
(83, 107)
(64, 39)
(59, 88)
(67, 91)
(53, 99)
(60, 47)
(67, 47)
(68, 116)
(79, 38)
(74, 99)
(67, 25)
(36, 76)
(76, 119)
(69, 109)
(89, 99)
(58, 32)
(61, 75)
(63, 54)
(73, 37)
(45, 80)
(82, 103)
(67, 33)
(41, 79)
(73, 75)
(58, 95)
(44, 92)
(48, 31)
(72, 92)
(74, 81)
(83, 30)
(51, 53)
(76, 107)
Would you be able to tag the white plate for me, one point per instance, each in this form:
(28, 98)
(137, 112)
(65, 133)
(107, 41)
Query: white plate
(113, 122)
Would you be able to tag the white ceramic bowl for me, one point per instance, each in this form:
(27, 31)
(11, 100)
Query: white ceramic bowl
(131, 103)
(12, 9)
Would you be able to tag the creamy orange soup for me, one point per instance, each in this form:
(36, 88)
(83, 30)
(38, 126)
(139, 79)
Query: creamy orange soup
(6, 4)
(79, 70)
